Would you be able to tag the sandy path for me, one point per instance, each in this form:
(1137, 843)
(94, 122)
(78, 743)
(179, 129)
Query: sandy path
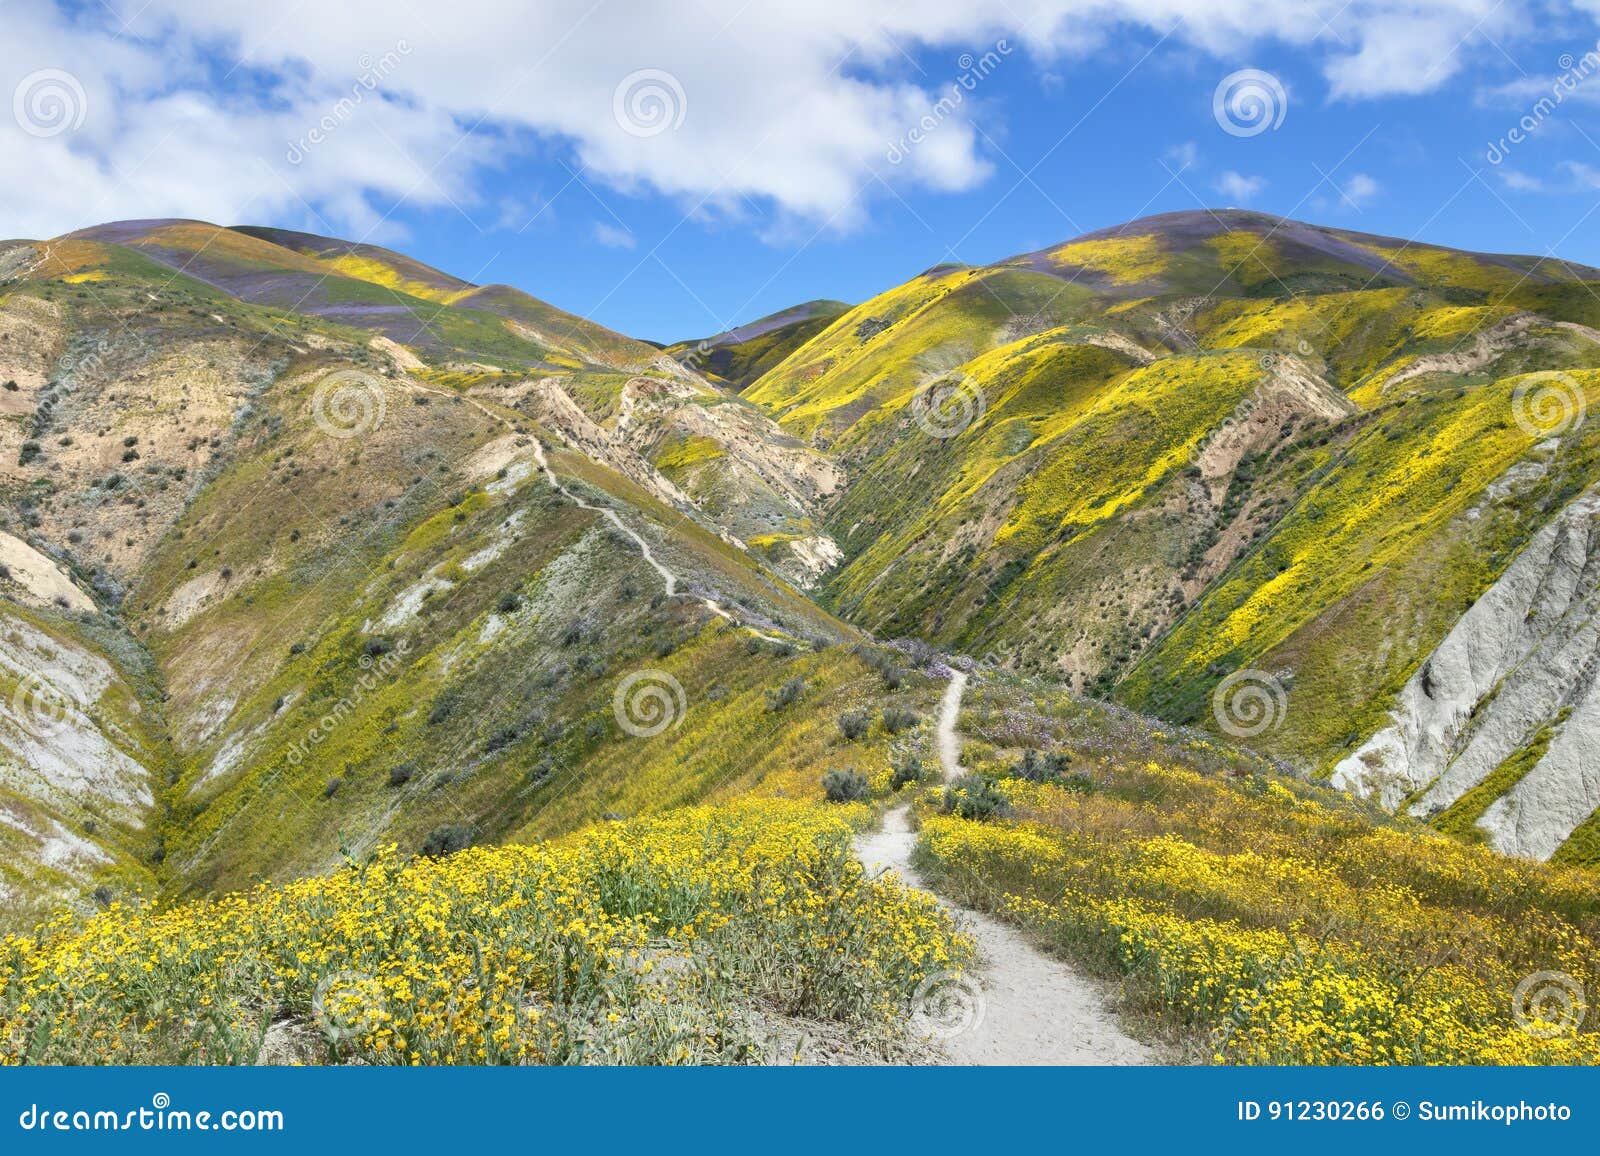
(1022, 1007)
(669, 580)
(949, 743)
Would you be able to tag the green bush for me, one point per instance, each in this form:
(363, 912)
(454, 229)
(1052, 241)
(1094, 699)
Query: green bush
(1037, 768)
(785, 694)
(846, 786)
(907, 769)
(442, 841)
(975, 797)
(854, 724)
(899, 718)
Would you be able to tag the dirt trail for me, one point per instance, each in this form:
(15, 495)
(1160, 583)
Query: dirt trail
(669, 580)
(1024, 1007)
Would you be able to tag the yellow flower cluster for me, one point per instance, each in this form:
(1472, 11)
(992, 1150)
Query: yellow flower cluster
(1266, 927)
(646, 942)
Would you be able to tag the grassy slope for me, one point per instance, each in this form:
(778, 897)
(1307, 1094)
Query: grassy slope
(1069, 529)
(742, 355)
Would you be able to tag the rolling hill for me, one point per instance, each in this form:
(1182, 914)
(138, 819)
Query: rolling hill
(1211, 447)
(310, 546)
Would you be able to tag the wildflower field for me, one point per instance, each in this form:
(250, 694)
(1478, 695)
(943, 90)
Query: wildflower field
(664, 940)
(1258, 920)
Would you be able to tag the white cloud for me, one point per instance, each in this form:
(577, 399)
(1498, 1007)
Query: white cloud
(1583, 176)
(613, 237)
(1358, 190)
(1238, 188)
(1520, 181)
(194, 107)
(1184, 156)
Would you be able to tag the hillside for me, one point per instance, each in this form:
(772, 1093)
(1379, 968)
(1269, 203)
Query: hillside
(338, 591)
(280, 586)
(1207, 449)
(744, 353)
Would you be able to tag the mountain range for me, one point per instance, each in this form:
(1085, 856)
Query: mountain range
(309, 547)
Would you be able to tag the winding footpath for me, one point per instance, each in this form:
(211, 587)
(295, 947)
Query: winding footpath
(1031, 1009)
(669, 580)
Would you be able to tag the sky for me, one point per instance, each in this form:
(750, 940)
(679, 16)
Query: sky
(673, 169)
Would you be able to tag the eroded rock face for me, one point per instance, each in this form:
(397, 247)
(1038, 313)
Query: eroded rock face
(1520, 663)
(74, 791)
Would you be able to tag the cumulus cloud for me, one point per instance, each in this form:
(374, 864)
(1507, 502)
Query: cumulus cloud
(613, 236)
(1238, 188)
(1358, 190)
(232, 110)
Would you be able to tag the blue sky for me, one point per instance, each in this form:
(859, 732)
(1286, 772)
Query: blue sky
(672, 170)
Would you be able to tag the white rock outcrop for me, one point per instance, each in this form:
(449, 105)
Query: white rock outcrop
(1523, 658)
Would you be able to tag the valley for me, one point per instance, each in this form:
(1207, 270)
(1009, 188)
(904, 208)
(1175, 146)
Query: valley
(1085, 590)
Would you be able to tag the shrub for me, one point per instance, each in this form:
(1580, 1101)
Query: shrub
(785, 694)
(400, 774)
(907, 769)
(899, 718)
(854, 724)
(846, 786)
(29, 451)
(447, 840)
(442, 707)
(501, 738)
(975, 797)
(509, 603)
(376, 647)
(1037, 768)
